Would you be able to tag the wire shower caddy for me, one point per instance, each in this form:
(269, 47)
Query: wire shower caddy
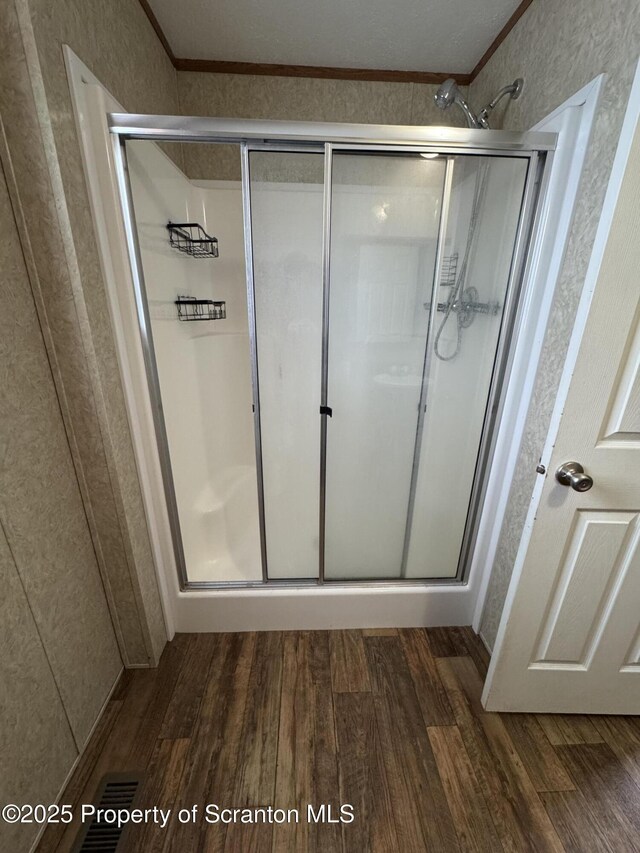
(191, 239)
(191, 309)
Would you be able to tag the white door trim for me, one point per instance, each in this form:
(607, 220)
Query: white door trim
(86, 92)
(573, 122)
(632, 116)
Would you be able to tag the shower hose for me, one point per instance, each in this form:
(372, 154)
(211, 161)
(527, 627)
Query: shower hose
(455, 296)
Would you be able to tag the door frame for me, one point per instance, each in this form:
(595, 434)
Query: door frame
(573, 122)
(265, 609)
(536, 148)
(625, 141)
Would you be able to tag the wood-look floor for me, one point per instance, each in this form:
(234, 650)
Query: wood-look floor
(388, 721)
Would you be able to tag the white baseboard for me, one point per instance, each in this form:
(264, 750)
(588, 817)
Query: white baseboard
(322, 608)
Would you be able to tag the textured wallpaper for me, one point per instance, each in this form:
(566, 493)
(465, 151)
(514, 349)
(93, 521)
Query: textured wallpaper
(119, 45)
(296, 99)
(70, 501)
(36, 744)
(41, 575)
(558, 48)
(39, 494)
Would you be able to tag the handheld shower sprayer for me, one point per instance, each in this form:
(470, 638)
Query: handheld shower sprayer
(449, 94)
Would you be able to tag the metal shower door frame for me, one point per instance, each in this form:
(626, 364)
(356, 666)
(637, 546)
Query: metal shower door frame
(442, 226)
(532, 192)
(311, 137)
(246, 148)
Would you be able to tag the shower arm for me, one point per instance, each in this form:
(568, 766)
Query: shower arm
(514, 90)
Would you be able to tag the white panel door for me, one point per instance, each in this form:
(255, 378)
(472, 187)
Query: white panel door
(570, 638)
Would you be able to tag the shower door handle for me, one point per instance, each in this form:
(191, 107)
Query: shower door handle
(572, 474)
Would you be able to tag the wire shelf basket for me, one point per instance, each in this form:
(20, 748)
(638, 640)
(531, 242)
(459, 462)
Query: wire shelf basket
(449, 270)
(191, 239)
(190, 309)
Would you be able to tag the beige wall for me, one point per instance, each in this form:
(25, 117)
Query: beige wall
(119, 44)
(558, 48)
(41, 509)
(36, 743)
(58, 653)
(79, 587)
(296, 99)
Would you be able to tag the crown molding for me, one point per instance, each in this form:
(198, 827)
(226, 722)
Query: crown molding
(164, 41)
(378, 75)
(504, 32)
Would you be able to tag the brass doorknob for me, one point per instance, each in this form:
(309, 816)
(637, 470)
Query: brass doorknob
(572, 474)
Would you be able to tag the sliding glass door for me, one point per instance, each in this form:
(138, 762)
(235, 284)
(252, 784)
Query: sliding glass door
(286, 191)
(420, 261)
(365, 286)
(475, 291)
(386, 215)
(380, 286)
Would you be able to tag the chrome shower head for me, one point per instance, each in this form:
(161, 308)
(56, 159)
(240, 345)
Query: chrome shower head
(448, 94)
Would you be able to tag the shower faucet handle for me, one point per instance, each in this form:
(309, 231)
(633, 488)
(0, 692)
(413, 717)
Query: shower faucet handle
(572, 474)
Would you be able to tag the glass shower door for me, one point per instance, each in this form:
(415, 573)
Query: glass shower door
(420, 262)
(386, 211)
(286, 193)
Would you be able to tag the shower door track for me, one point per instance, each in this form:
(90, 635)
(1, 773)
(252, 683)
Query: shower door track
(307, 137)
(166, 128)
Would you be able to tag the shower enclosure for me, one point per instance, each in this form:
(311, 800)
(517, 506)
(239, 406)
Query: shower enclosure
(337, 425)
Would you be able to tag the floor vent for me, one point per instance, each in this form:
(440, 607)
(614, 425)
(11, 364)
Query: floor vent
(116, 791)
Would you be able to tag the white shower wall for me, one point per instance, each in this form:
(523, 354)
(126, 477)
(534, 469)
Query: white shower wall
(203, 367)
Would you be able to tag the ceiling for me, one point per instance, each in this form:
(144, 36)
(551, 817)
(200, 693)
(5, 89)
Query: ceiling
(406, 35)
